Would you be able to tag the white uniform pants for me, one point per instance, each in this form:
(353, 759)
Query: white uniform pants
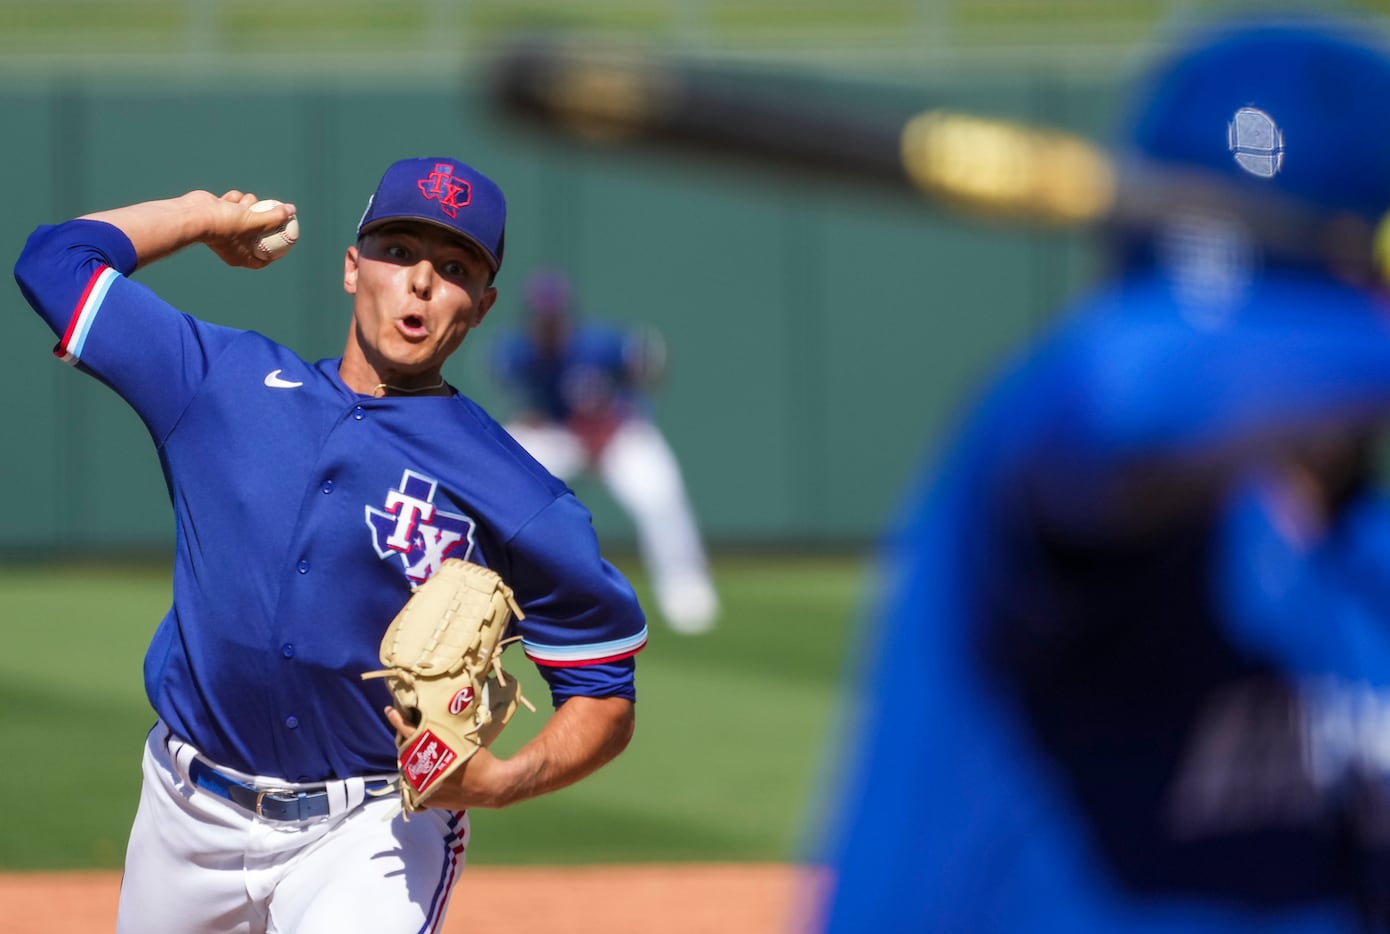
(639, 469)
(199, 864)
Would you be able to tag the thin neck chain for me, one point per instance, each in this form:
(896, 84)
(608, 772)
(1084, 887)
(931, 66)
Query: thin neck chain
(381, 387)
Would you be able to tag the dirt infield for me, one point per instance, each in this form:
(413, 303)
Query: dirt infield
(696, 898)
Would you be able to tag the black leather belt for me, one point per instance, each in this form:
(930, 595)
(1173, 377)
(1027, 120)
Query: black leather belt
(283, 804)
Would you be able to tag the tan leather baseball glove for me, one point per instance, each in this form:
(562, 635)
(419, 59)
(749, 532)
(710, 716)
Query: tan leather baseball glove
(443, 665)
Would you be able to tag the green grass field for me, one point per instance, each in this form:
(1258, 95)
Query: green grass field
(726, 765)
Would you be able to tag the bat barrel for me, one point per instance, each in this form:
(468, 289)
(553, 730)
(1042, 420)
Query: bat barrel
(627, 99)
(973, 165)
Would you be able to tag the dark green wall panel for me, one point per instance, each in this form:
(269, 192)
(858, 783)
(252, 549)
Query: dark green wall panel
(821, 336)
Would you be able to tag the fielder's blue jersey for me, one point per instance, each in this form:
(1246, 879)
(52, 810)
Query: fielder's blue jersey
(591, 374)
(1088, 712)
(304, 514)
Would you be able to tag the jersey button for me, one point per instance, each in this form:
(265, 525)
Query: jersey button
(359, 413)
(304, 567)
(287, 650)
(292, 722)
(327, 486)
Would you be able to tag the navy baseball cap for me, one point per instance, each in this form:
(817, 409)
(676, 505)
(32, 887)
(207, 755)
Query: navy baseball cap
(1295, 106)
(443, 192)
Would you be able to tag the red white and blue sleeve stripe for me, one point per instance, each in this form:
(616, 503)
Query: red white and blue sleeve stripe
(69, 348)
(593, 653)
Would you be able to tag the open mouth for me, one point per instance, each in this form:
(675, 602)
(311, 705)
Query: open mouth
(413, 326)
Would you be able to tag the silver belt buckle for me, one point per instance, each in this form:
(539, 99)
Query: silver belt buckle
(274, 792)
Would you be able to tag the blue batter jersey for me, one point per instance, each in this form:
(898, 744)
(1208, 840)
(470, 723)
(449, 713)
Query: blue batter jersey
(1095, 707)
(304, 514)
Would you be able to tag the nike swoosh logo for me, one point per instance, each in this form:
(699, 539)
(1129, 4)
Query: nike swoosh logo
(273, 380)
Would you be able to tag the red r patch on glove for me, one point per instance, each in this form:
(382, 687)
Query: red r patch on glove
(460, 701)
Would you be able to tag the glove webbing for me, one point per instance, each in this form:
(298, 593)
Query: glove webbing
(494, 665)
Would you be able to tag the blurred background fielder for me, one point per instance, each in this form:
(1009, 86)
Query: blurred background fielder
(583, 389)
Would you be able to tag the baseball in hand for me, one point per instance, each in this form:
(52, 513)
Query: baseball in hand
(278, 242)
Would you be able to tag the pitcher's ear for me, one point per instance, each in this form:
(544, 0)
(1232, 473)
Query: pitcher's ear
(350, 270)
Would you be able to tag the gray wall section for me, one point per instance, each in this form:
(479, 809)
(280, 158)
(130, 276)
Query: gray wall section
(821, 335)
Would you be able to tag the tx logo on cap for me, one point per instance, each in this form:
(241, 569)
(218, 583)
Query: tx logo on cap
(440, 185)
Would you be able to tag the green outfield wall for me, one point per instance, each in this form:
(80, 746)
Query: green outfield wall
(821, 335)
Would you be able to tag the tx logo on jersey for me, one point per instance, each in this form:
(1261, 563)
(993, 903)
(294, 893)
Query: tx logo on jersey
(412, 529)
(441, 186)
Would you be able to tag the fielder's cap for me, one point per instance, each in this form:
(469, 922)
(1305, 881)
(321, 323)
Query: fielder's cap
(1294, 105)
(549, 293)
(444, 192)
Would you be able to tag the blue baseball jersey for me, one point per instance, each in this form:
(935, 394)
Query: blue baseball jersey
(304, 514)
(592, 373)
(1108, 688)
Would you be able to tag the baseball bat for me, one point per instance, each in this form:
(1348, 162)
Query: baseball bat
(977, 166)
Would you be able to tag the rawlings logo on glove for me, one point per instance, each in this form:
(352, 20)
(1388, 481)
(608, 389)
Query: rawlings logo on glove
(443, 658)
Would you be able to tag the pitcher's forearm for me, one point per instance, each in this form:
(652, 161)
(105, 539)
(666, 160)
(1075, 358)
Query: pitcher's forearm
(159, 228)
